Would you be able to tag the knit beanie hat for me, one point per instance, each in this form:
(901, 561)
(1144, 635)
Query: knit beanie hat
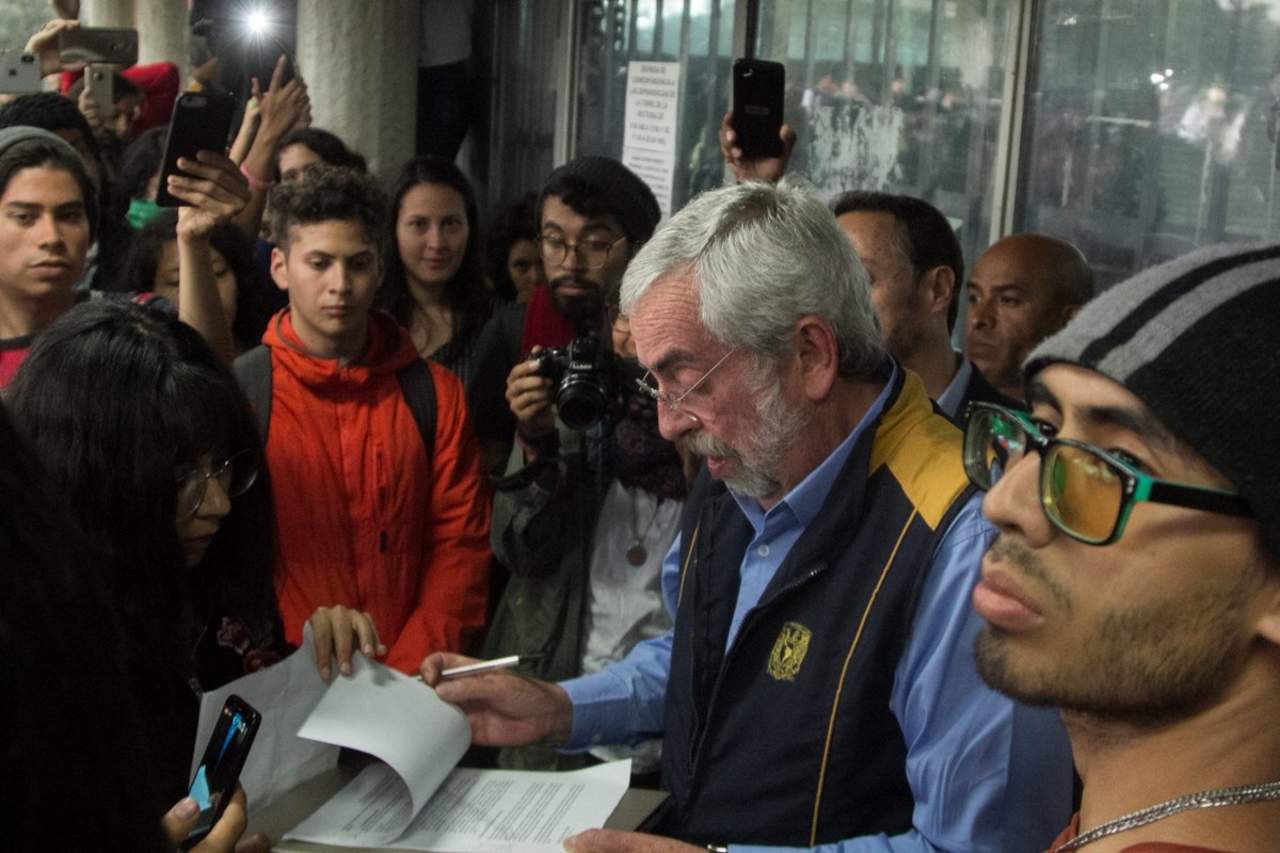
(619, 190)
(1197, 340)
(12, 135)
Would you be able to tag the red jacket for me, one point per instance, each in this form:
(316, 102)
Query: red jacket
(363, 522)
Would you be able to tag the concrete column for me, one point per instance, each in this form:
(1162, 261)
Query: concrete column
(161, 26)
(162, 32)
(106, 13)
(360, 61)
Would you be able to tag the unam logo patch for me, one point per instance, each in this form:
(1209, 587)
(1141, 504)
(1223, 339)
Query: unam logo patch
(789, 651)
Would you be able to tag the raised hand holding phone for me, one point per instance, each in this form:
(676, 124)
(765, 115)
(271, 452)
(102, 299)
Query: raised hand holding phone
(201, 122)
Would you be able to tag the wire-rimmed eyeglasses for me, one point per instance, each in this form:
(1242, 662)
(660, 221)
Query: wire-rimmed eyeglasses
(235, 476)
(676, 403)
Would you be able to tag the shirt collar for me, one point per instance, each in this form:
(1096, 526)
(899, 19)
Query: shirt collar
(807, 497)
(950, 399)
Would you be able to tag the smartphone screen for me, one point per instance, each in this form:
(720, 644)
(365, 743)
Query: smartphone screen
(224, 756)
(757, 106)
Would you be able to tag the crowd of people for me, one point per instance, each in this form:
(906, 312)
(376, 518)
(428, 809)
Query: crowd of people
(764, 531)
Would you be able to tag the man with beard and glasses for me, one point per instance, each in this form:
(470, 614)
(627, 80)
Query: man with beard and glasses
(1135, 579)
(593, 214)
(586, 515)
(818, 686)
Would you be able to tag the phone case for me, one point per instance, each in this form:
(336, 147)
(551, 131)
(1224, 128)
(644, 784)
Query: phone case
(757, 106)
(101, 45)
(201, 122)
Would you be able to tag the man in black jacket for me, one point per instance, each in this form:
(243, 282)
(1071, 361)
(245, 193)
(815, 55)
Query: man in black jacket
(917, 271)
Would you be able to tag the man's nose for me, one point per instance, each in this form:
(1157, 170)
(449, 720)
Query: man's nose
(674, 423)
(1013, 503)
(49, 233)
(980, 315)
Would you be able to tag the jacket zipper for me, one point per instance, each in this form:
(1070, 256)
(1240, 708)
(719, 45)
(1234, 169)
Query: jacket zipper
(747, 622)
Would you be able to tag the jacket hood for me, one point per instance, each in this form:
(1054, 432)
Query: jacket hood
(388, 349)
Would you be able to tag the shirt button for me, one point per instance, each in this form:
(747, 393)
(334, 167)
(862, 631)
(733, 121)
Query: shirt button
(763, 550)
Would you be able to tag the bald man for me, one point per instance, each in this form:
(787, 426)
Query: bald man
(1021, 290)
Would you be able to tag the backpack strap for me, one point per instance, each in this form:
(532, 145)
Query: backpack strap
(419, 390)
(253, 371)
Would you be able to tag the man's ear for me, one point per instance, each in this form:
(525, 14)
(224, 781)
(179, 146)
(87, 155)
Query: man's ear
(818, 356)
(939, 284)
(280, 268)
(1269, 619)
(1067, 312)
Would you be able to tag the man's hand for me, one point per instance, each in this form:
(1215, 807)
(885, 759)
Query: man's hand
(504, 709)
(225, 835)
(88, 106)
(44, 44)
(213, 188)
(529, 397)
(769, 169)
(336, 631)
(613, 841)
(283, 105)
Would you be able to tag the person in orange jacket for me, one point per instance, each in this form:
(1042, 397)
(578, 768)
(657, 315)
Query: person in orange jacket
(369, 515)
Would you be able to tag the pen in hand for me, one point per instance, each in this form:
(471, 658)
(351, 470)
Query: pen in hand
(489, 665)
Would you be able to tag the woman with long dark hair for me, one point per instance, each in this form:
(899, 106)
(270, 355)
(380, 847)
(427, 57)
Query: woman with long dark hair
(145, 431)
(434, 283)
(152, 266)
(74, 733)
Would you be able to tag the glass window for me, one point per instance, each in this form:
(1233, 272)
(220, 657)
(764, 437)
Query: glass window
(696, 33)
(901, 96)
(1151, 127)
(526, 82)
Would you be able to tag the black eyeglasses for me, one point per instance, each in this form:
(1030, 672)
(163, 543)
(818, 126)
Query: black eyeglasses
(1086, 492)
(594, 253)
(235, 476)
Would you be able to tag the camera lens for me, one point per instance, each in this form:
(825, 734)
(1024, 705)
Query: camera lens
(581, 401)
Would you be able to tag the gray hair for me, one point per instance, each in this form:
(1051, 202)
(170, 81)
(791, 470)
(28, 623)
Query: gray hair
(762, 256)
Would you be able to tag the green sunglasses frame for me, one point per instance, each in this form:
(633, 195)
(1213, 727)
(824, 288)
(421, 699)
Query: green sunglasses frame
(1136, 486)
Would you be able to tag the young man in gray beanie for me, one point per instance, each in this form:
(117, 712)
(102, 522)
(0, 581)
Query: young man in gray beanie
(1135, 580)
(49, 216)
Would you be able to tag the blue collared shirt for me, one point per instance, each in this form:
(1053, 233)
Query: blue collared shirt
(987, 773)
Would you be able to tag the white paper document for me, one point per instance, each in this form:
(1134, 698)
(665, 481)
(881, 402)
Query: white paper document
(416, 800)
(284, 694)
(474, 811)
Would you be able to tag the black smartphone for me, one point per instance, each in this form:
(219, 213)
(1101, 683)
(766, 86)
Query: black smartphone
(757, 106)
(100, 45)
(201, 122)
(219, 770)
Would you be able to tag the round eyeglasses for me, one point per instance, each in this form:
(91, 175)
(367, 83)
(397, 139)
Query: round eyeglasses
(1086, 492)
(594, 253)
(235, 476)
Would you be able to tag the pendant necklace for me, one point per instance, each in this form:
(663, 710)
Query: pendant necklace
(637, 554)
(1200, 800)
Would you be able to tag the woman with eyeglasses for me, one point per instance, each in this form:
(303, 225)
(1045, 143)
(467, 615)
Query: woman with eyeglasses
(434, 282)
(145, 432)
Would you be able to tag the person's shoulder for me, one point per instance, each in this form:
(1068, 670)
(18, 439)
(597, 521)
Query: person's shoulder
(979, 390)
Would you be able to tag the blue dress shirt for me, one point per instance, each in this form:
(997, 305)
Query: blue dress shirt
(987, 773)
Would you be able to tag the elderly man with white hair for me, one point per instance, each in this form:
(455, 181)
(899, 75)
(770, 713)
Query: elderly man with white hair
(818, 686)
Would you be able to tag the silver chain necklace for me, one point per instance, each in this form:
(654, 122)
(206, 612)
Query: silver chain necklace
(1200, 800)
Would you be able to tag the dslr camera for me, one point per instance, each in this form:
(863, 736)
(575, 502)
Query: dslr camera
(582, 378)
